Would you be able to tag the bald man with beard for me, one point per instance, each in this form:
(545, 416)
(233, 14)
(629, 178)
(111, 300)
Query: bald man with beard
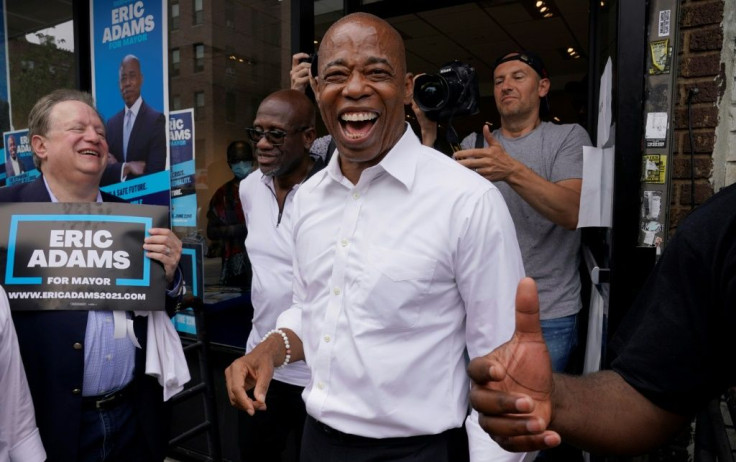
(282, 135)
(403, 259)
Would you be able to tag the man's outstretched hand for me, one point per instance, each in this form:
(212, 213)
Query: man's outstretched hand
(512, 385)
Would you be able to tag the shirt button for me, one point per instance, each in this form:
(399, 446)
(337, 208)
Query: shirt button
(327, 339)
(76, 391)
(321, 385)
(344, 242)
(77, 346)
(337, 291)
(356, 195)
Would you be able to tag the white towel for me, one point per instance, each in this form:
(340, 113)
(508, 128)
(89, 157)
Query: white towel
(164, 354)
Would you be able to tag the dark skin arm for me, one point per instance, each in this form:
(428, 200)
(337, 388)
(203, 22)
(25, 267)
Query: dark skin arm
(254, 371)
(524, 407)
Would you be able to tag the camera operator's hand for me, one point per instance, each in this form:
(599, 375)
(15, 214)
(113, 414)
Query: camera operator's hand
(299, 72)
(492, 162)
(428, 127)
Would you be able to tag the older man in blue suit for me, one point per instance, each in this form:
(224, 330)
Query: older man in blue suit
(92, 397)
(137, 134)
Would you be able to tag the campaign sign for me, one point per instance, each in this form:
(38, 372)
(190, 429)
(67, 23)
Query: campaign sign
(80, 256)
(193, 270)
(181, 145)
(129, 45)
(19, 166)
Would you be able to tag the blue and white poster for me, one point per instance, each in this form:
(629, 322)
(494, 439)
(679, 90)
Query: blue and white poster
(19, 166)
(130, 86)
(5, 115)
(183, 192)
(193, 270)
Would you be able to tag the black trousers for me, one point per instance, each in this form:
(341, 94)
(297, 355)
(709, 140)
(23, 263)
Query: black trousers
(264, 437)
(321, 443)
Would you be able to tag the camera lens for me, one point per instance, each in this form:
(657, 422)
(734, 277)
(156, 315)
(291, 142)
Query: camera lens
(430, 92)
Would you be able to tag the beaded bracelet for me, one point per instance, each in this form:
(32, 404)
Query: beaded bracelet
(286, 344)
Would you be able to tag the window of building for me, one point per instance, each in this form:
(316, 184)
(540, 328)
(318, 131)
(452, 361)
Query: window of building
(199, 105)
(231, 111)
(198, 16)
(174, 15)
(175, 62)
(198, 57)
(229, 11)
(175, 102)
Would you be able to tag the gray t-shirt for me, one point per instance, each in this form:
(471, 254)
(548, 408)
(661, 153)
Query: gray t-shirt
(550, 252)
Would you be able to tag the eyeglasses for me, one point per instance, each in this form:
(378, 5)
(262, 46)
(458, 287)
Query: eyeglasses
(274, 137)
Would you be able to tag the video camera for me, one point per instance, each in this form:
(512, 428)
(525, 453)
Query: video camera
(453, 92)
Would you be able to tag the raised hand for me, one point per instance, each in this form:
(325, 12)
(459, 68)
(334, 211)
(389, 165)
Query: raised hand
(491, 162)
(299, 72)
(512, 385)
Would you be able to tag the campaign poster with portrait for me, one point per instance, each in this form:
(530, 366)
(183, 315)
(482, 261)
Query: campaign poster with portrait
(19, 166)
(130, 85)
(5, 115)
(80, 256)
(183, 192)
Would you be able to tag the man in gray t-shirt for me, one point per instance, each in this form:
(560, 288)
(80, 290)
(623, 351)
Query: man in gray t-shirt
(538, 167)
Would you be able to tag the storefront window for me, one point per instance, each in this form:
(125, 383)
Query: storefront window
(236, 54)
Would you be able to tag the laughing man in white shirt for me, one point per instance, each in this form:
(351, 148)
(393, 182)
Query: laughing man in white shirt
(403, 260)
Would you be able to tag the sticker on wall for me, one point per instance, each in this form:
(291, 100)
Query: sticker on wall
(663, 28)
(656, 129)
(661, 53)
(654, 168)
(649, 233)
(651, 205)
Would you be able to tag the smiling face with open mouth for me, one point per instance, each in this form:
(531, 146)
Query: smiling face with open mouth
(362, 89)
(74, 149)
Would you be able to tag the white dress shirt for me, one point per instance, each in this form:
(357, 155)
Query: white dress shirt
(393, 279)
(270, 250)
(19, 437)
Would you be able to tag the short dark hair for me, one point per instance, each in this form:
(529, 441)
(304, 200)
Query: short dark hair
(38, 118)
(239, 148)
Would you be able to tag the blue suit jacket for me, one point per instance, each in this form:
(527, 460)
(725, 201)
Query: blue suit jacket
(55, 368)
(147, 142)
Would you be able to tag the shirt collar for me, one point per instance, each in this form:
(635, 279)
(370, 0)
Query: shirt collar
(135, 107)
(54, 199)
(400, 162)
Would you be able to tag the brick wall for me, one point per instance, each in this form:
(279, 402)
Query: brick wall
(701, 34)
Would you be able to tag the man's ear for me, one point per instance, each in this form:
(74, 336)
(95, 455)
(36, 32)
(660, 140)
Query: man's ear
(310, 135)
(313, 82)
(543, 88)
(38, 144)
(409, 88)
